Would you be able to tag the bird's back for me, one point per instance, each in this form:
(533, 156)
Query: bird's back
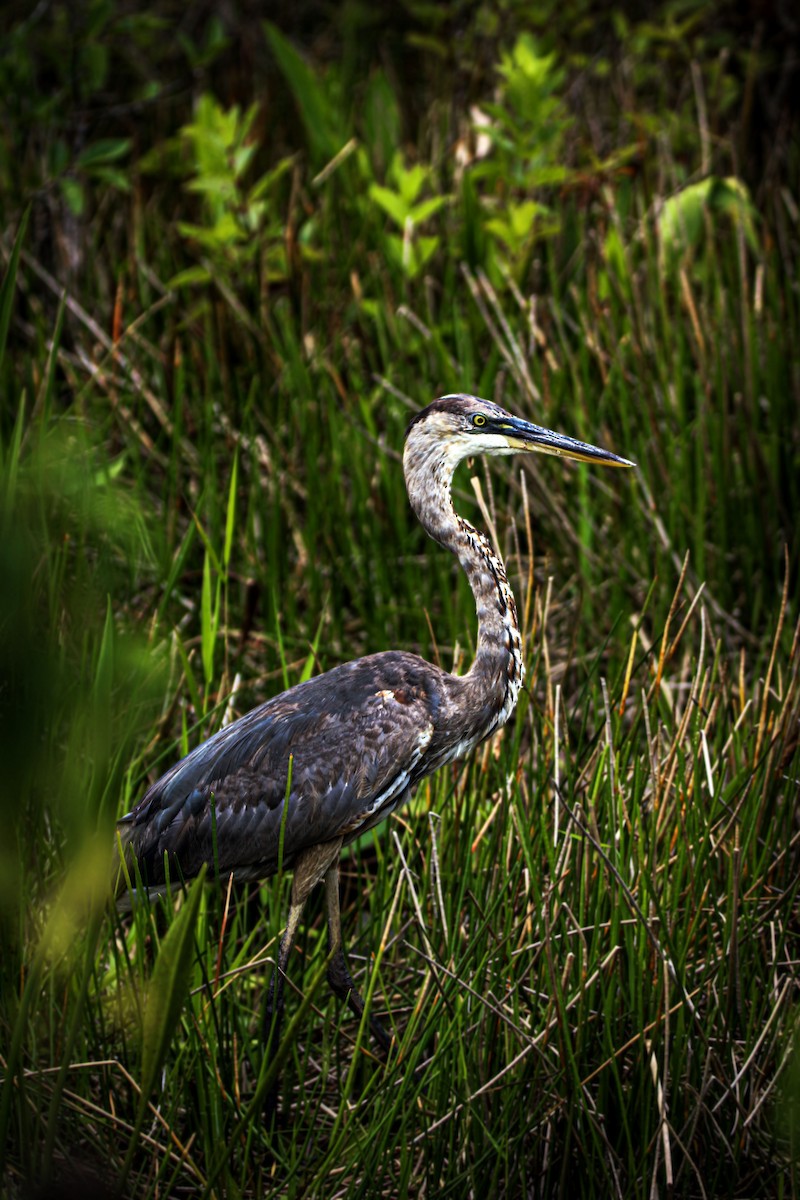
(354, 740)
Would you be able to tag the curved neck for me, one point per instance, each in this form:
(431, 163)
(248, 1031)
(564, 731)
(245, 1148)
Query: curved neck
(497, 671)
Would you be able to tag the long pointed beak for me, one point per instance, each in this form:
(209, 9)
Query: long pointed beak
(524, 436)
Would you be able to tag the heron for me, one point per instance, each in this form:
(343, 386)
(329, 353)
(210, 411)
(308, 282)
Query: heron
(311, 770)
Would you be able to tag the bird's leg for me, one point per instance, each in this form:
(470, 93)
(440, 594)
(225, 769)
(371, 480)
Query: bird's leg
(309, 868)
(339, 977)
(276, 983)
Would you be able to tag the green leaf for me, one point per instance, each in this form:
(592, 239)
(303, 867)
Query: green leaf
(220, 185)
(165, 999)
(390, 202)
(425, 248)
(92, 66)
(169, 986)
(207, 624)
(111, 176)
(102, 687)
(316, 112)
(313, 656)
(680, 223)
(104, 150)
(731, 196)
(224, 233)
(191, 275)
(381, 121)
(230, 517)
(177, 567)
(264, 184)
(421, 212)
(411, 181)
(73, 194)
(682, 220)
(241, 159)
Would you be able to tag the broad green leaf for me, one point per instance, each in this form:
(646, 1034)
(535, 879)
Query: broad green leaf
(168, 986)
(224, 232)
(425, 248)
(681, 222)
(111, 176)
(390, 202)
(104, 150)
(410, 181)
(214, 184)
(242, 158)
(316, 111)
(166, 995)
(421, 212)
(731, 196)
(190, 276)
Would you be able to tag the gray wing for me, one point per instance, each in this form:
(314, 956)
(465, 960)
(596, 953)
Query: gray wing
(356, 739)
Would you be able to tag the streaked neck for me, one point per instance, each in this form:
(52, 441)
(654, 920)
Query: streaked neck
(498, 668)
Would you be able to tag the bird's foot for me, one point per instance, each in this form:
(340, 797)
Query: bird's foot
(342, 985)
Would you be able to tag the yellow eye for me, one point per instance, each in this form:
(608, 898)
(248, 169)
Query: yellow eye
(479, 419)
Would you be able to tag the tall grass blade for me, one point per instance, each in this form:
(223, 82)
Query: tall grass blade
(167, 992)
(10, 465)
(318, 115)
(9, 283)
(207, 625)
(230, 513)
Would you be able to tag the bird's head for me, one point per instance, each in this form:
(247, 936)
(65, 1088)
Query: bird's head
(457, 427)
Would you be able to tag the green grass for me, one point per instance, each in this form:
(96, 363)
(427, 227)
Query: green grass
(584, 938)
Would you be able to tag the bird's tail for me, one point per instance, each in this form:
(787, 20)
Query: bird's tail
(124, 872)
(128, 884)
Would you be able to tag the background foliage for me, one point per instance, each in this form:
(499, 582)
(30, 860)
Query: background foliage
(238, 254)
